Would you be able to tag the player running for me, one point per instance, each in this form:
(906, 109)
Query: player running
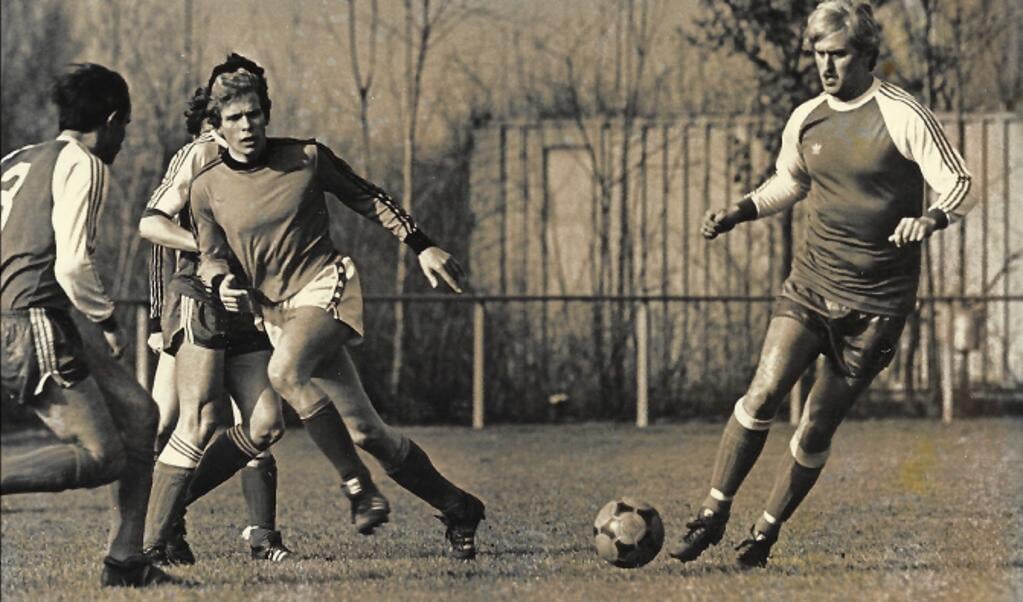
(859, 154)
(210, 345)
(263, 205)
(51, 201)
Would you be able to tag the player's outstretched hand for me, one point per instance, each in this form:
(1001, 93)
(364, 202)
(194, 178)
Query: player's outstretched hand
(115, 341)
(235, 299)
(716, 221)
(913, 229)
(435, 261)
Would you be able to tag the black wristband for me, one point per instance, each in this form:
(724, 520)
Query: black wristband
(108, 324)
(418, 241)
(745, 210)
(215, 286)
(940, 218)
(154, 325)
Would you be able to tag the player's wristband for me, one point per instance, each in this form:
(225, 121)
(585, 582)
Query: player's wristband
(418, 241)
(154, 325)
(108, 324)
(940, 218)
(745, 211)
(215, 287)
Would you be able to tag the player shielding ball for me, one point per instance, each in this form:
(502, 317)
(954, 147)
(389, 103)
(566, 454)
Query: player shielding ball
(263, 205)
(52, 196)
(860, 155)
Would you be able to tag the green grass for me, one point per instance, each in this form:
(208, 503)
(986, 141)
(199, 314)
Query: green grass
(906, 510)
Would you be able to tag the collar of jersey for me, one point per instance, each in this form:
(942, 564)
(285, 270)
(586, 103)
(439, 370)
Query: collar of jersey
(237, 165)
(859, 101)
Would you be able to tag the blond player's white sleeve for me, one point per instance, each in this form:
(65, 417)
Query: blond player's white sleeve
(80, 183)
(790, 181)
(920, 138)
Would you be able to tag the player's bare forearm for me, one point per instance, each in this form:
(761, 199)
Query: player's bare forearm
(160, 230)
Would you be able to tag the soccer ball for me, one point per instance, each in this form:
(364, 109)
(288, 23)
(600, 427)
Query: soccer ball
(628, 533)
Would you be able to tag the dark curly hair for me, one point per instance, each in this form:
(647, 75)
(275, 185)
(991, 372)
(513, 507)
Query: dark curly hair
(86, 94)
(195, 113)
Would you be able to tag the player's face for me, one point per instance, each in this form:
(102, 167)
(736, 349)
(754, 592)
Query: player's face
(844, 72)
(243, 127)
(111, 137)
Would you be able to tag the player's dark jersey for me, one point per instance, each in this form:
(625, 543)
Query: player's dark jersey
(272, 215)
(52, 194)
(862, 165)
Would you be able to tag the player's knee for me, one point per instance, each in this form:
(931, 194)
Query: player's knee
(286, 380)
(266, 428)
(760, 403)
(102, 463)
(206, 427)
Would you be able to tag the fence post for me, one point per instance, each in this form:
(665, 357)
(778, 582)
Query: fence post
(141, 348)
(642, 365)
(948, 353)
(478, 324)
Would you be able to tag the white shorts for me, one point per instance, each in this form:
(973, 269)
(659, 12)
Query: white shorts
(335, 289)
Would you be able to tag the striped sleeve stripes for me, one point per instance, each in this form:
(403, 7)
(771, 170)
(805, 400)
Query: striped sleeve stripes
(97, 186)
(377, 193)
(953, 198)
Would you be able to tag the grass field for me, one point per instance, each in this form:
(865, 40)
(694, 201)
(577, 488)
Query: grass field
(906, 510)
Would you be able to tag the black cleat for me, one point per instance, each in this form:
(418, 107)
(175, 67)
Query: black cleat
(705, 530)
(461, 527)
(755, 550)
(136, 572)
(370, 508)
(174, 551)
(266, 544)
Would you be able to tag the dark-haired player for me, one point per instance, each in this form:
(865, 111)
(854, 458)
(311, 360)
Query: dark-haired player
(51, 200)
(263, 205)
(205, 349)
(860, 154)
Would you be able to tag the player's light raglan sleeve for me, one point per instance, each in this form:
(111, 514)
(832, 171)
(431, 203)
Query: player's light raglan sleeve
(168, 200)
(790, 181)
(338, 178)
(214, 251)
(80, 182)
(920, 138)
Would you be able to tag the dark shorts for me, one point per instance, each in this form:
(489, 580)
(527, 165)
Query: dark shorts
(39, 344)
(859, 344)
(190, 314)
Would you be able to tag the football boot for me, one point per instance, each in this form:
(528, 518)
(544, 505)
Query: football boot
(705, 530)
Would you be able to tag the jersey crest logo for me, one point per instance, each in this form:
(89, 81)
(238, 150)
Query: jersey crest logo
(816, 148)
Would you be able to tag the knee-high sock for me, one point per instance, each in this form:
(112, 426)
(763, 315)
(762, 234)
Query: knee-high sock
(225, 455)
(130, 498)
(328, 432)
(417, 474)
(797, 473)
(51, 468)
(740, 446)
(259, 486)
(171, 478)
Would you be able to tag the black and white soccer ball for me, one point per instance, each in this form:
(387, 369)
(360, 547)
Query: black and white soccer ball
(628, 533)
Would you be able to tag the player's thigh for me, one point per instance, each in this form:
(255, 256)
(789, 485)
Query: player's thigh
(133, 410)
(79, 413)
(199, 374)
(790, 346)
(245, 378)
(308, 337)
(165, 389)
(830, 399)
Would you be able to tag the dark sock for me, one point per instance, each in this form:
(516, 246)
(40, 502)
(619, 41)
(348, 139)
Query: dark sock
(791, 485)
(224, 456)
(737, 453)
(130, 498)
(52, 468)
(166, 500)
(328, 432)
(418, 475)
(259, 485)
